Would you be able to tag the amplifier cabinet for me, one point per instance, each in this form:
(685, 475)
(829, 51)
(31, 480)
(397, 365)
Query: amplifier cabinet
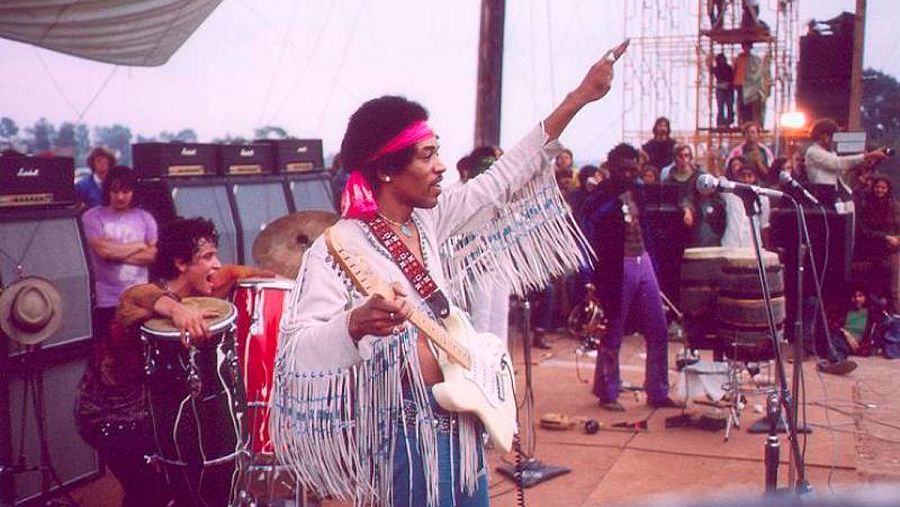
(49, 243)
(297, 155)
(837, 251)
(245, 159)
(310, 192)
(164, 160)
(36, 181)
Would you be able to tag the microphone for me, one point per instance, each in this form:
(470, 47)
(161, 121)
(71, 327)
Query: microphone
(707, 184)
(787, 180)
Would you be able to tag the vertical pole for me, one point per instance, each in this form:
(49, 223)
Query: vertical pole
(859, 32)
(7, 484)
(490, 73)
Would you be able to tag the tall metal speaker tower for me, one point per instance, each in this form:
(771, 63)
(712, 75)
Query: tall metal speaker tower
(669, 69)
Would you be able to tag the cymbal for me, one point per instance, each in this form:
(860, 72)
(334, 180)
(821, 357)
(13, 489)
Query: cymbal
(280, 246)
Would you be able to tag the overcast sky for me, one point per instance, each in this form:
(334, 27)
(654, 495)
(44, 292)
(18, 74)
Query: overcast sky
(306, 65)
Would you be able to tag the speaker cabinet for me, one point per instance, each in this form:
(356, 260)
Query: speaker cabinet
(158, 160)
(838, 250)
(211, 199)
(311, 192)
(55, 378)
(297, 155)
(823, 82)
(258, 202)
(48, 243)
(154, 196)
(36, 181)
(245, 159)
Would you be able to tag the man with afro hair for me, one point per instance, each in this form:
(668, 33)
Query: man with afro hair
(353, 412)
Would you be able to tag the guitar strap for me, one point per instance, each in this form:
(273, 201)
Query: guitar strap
(411, 267)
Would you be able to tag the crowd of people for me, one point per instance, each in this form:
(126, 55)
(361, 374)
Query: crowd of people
(663, 173)
(395, 213)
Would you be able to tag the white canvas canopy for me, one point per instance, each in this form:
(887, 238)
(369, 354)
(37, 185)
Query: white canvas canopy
(123, 32)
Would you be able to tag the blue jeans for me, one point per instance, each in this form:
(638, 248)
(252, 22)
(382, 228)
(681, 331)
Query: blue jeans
(409, 470)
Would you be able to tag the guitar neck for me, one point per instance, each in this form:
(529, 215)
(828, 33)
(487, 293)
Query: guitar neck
(441, 338)
(369, 285)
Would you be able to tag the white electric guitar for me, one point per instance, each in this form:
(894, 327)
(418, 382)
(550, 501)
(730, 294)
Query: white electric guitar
(478, 372)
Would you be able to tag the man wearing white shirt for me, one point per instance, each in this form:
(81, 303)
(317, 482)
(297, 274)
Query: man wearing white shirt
(738, 230)
(823, 166)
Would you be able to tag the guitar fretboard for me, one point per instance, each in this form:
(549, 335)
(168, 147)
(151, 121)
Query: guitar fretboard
(369, 284)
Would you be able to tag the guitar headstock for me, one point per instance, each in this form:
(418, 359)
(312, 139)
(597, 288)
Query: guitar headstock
(355, 266)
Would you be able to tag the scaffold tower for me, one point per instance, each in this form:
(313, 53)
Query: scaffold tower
(669, 69)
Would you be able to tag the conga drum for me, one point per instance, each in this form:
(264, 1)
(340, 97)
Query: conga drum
(259, 303)
(701, 269)
(196, 402)
(741, 309)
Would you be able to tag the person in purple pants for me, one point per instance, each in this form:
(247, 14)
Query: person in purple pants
(628, 287)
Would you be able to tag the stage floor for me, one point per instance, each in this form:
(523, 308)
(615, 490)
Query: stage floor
(855, 437)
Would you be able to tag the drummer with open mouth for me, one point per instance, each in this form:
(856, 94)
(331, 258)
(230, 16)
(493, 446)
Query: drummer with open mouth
(113, 412)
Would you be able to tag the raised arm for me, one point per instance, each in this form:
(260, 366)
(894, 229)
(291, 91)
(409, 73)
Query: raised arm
(593, 87)
(472, 204)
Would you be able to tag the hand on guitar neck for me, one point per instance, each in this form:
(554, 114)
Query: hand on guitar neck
(380, 314)
(473, 371)
(385, 312)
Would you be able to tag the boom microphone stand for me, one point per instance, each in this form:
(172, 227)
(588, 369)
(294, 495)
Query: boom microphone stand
(782, 400)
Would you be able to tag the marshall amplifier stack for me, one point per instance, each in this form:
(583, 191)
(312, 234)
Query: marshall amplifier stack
(36, 181)
(173, 160)
(245, 159)
(183, 179)
(296, 155)
(240, 187)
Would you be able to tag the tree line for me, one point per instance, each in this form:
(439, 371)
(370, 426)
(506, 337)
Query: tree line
(880, 119)
(71, 140)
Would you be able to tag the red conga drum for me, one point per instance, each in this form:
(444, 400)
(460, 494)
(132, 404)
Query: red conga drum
(259, 303)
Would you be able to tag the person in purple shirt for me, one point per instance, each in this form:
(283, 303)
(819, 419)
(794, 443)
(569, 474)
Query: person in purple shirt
(122, 244)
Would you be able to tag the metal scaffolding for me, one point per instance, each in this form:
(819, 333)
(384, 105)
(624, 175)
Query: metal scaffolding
(668, 73)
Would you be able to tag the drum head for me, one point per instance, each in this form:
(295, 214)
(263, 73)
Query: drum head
(706, 252)
(746, 258)
(267, 283)
(164, 327)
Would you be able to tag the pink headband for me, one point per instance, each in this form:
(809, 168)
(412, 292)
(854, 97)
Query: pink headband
(357, 199)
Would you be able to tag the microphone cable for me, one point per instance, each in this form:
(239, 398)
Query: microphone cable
(820, 314)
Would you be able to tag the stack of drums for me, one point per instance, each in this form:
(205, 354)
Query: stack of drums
(701, 270)
(743, 326)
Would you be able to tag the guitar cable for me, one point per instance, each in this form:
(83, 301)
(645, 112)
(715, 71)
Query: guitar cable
(520, 465)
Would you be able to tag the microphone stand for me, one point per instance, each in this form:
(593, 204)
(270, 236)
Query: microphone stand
(798, 325)
(529, 472)
(782, 400)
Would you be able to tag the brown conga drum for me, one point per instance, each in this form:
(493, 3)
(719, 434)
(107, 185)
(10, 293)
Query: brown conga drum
(701, 270)
(743, 325)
